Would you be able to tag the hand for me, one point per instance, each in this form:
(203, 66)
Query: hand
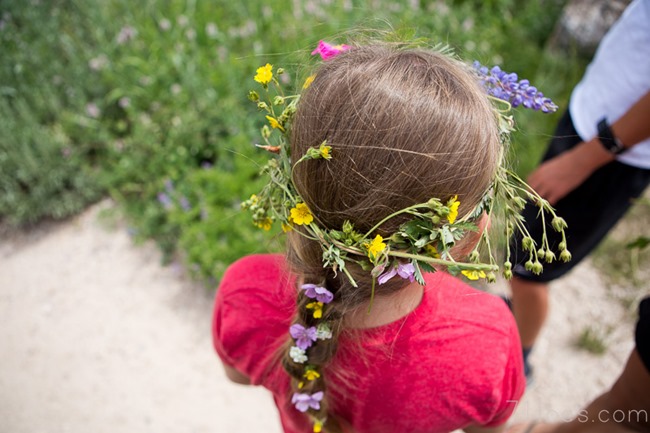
(557, 177)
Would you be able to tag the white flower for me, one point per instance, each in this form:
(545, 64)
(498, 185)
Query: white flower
(298, 355)
(92, 110)
(165, 24)
(126, 34)
(323, 332)
(211, 30)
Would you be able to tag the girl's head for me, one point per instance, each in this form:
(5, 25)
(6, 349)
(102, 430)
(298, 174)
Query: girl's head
(405, 126)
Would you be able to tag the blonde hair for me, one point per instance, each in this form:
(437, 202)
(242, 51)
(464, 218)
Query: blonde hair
(404, 126)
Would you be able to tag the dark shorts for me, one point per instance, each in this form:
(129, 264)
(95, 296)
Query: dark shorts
(591, 210)
(642, 335)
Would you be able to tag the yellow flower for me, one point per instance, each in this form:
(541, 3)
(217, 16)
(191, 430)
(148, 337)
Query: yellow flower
(264, 74)
(317, 307)
(325, 151)
(286, 227)
(308, 81)
(301, 215)
(473, 275)
(318, 426)
(274, 123)
(432, 251)
(311, 374)
(301, 384)
(254, 199)
(453, 209)
(375, 247)
(265, 224)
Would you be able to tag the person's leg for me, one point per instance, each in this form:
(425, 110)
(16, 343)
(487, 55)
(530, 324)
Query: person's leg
(530, 308)
(626, 406)
(623, 409)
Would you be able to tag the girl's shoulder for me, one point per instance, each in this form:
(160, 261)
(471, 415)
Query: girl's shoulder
(253, 308)
(458, 301)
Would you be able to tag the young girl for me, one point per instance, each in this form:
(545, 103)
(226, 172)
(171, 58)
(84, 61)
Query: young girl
(346, 330)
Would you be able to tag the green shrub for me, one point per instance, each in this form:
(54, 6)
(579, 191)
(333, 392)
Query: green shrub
(146, 101)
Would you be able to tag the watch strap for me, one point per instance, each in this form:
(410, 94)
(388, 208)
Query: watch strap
(607, 138)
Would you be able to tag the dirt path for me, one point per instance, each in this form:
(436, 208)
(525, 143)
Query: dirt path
(96, 336)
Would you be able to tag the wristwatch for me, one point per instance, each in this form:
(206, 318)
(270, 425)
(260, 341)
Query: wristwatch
(607, 138)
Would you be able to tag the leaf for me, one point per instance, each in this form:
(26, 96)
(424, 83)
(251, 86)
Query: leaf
(426, 267)
(418, 273)
(446, 235)
(641, 243)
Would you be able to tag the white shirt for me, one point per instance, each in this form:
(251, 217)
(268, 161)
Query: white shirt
(618, 76)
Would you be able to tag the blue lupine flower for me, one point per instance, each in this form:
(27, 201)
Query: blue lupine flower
(508, 87)
(165, 200)
(185, 204)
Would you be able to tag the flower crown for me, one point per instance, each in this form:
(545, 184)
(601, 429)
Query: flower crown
(420, 244)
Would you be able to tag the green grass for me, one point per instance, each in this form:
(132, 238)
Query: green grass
(593, 341)
(146, 101)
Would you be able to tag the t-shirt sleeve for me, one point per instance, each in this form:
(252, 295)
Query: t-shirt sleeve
(513, 384)
(251, 315)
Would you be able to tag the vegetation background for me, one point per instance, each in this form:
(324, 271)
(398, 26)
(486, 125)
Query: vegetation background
(146, 101)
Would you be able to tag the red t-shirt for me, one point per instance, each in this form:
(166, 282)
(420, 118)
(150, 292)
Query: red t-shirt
(453, 361)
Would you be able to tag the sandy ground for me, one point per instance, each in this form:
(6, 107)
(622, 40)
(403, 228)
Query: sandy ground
(96, 336)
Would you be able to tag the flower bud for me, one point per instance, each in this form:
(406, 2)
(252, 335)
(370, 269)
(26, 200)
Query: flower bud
(541, 253)
(549, 257)
(266, 131)
(529, 265)
(528, 243)
(280, 71)
(519, 202)
(435, 219)
(507, 274)
(507, 266)
(278, 100)
(262, 105)
(253, 96)
(565, 256)
(558, 224)
(491, 277)
(474, 256)
(562, 246)
(537, 268)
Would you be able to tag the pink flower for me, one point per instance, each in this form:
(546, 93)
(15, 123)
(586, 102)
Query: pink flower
(328, 51)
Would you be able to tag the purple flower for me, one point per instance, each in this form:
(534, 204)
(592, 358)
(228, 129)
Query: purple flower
(321, 294)
(404, 270)
(304, 401)
(508, 87)
(185, 204)
(383, 278)
(304, 336)
(165, 200)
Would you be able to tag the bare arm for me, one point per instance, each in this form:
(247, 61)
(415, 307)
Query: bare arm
(558, 176)
(236, 376)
